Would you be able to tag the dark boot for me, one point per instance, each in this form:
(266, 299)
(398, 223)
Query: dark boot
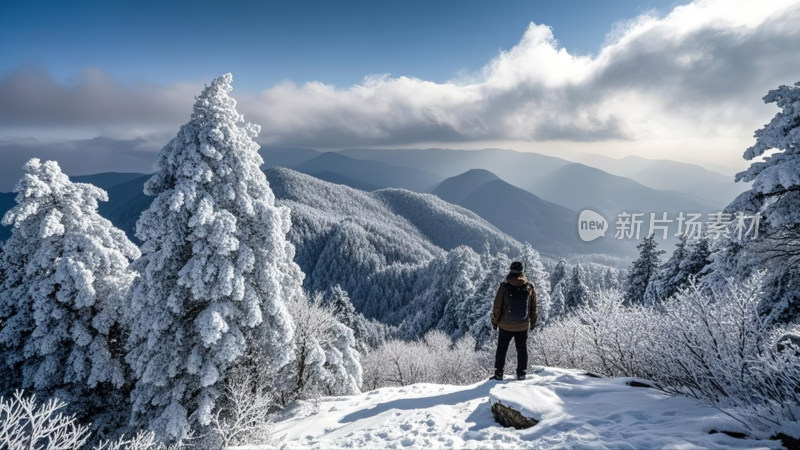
(521, 375)
(498, 375)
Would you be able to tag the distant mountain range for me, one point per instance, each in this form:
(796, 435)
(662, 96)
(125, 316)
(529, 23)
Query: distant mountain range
(660, 174)
(548, 227)
(654, 186)
(359, 173)
(379, 240)
(573, 185)
(526, 196)
(667, 175)
(578, 186)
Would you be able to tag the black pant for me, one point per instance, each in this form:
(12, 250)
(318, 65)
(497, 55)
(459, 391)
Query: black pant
(520, 341)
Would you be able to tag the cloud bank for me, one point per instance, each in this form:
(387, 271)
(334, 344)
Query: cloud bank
(698, 72)
(31, 97)
(78, 157)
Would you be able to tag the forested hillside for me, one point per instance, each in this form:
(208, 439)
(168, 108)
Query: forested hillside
(384, 248)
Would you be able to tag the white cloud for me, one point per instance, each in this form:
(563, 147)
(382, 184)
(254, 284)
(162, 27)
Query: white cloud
(31, 97)
(697, 73)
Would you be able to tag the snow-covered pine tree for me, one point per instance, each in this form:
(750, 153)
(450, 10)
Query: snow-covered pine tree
(342, 308)
(65, 277)
(775, 196)
(611, 279)
(698, 257)
(343, 362)
(447, 289)
(669, 277)
(215, 273)
(536, 273)
(557, 301)
(340, 305)
(577, 293)
(643, 271)
(477, 312)
(559, 272)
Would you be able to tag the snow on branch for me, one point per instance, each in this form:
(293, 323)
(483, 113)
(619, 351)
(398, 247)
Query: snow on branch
(24, 424)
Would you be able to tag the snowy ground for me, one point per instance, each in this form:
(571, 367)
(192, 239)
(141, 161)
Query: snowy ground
(576, 411)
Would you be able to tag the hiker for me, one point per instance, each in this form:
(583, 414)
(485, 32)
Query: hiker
(514, 312)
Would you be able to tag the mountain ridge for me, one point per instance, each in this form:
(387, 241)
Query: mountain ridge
(547, 226)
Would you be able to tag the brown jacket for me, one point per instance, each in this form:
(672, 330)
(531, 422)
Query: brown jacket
(497, 309)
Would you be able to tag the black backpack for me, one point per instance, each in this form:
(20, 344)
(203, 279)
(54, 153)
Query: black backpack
(516, 302)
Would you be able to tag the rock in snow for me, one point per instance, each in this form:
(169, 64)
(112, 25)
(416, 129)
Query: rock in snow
(573, 410)
(510, 417)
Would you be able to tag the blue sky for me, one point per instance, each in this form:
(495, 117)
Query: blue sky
(104, 85)
(264, 42)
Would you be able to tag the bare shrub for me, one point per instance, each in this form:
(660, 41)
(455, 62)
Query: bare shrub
(244, 413)
(714, 345)
(26, 425)
(719, 347)
(142, 440)
(434, 359)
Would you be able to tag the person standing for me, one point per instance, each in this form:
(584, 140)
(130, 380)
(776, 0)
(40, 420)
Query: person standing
(514, 312)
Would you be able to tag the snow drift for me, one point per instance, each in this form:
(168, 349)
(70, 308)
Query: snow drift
(574, 410)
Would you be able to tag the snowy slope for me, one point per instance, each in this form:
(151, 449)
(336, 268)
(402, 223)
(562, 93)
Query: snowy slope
(445, 224)
(376, 246)
(333, 166)
(575, 411)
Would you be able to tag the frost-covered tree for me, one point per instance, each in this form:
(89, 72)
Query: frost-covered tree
(595, 275)
(559, 273)
(65, 277)
(697, 260)
(669, 276)
(611, 279)
(339, 304)
(455, 287)
(776, 179)
(243, 416)
(775, 197)
(577, 293)
(326, 360)
(215, 273)
(643, 271)
(688, 261)
(342, 361)
(478, 311)
(536, 273)
(557, 301)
